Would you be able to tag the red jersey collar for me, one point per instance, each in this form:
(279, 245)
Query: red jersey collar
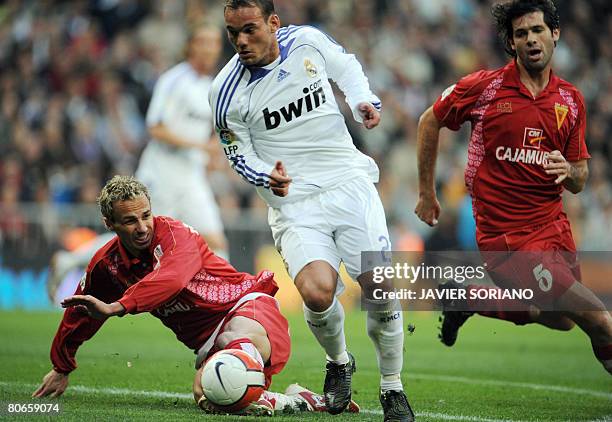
(512, 78)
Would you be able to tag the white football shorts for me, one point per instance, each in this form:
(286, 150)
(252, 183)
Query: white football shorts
(333, 226)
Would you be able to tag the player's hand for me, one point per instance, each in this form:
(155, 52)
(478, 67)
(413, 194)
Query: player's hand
(428, 209)
(369, 114)
(94, 307)
(557, 165)
(279, 181)
(53, 384)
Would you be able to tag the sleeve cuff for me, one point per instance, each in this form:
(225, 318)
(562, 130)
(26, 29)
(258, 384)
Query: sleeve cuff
(375, 101)
(62, 371)
(129, 304)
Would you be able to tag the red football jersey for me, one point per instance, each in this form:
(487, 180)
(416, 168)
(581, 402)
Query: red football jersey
(512, 135)
(180, 281)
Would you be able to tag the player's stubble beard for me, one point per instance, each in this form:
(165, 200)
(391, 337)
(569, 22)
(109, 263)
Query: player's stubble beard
(535, 67)
(539, 66)
(269, 53)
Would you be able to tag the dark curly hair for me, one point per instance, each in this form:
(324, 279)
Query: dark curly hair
(505, 13)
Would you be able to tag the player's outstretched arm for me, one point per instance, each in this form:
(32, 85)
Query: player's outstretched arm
(95, 307)
(428, 207)
(54, 384)
(369, 114)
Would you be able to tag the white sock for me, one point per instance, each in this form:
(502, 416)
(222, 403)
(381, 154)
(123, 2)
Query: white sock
(385, 327)
(328, 329)
(391, 382)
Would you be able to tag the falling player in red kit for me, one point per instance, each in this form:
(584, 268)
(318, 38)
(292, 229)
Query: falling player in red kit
(527, 146)
(162, 266)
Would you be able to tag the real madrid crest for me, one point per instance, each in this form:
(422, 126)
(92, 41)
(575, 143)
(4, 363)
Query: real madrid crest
(227, 137)
(311, 69)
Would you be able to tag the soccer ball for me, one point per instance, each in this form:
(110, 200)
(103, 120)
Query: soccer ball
(232, 379)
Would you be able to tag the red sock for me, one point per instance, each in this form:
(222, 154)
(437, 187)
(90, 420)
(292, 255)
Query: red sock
(246, 345)
(506, 309)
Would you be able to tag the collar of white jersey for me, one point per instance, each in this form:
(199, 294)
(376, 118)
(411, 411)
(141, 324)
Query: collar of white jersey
(259, 72)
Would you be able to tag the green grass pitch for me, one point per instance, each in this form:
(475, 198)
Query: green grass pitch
(134, 369)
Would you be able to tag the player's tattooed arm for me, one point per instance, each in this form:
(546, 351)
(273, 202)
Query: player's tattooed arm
(573, 175)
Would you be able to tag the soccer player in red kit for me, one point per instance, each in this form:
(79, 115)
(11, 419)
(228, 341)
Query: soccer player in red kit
(527, 146)
(162, 266)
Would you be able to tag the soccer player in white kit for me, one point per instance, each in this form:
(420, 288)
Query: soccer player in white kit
(179, 119)
(282, 131)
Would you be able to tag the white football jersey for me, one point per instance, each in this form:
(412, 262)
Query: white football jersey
(286, 111)
(179, 103)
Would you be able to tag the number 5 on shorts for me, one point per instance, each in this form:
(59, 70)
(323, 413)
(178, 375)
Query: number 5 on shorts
(543, 277)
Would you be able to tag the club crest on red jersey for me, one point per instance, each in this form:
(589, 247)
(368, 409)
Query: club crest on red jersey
(533, 137)
(560, 113)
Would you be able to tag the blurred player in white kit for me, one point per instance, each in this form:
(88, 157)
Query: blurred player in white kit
(179, 119)
(173, 164)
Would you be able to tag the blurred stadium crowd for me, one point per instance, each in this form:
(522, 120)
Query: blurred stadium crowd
(77, 76)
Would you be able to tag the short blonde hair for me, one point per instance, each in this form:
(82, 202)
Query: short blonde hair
(120, 188)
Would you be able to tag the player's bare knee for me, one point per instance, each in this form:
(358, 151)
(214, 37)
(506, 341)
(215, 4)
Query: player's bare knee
(368, 286)
(241, 327)
(316, 283)
(318, 301)
(317, 296)
(227, 337)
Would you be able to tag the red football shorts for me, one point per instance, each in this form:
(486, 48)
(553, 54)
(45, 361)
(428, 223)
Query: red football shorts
(264, 310)
(542, 258)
